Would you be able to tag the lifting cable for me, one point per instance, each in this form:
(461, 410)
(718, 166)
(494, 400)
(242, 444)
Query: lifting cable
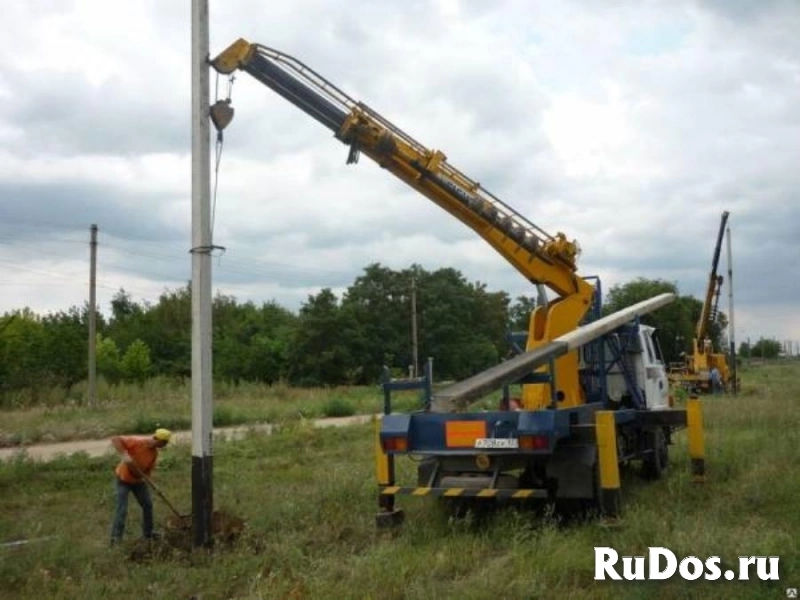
(221, 114)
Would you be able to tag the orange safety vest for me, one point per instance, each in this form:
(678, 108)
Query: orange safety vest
(138, 448)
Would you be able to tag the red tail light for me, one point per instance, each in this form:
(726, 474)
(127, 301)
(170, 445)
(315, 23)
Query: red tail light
(533, 442)
(395, 444)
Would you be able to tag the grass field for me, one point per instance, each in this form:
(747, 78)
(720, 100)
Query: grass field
(129, 408)
(308, 498)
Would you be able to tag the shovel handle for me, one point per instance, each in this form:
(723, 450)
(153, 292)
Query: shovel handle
(161, 495)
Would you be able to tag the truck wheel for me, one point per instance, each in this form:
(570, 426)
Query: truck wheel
(655, 463)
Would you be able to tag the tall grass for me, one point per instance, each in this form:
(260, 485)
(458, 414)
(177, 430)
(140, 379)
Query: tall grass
(309, 498)
(167, 403)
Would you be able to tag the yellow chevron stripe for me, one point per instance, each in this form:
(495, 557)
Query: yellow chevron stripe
(461, 492)
(522, 494)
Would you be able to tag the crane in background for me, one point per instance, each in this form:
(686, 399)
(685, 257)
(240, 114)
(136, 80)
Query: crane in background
(694, 373)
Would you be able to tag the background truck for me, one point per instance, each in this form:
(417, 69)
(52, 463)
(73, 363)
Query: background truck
(594, 391)
(694, 373)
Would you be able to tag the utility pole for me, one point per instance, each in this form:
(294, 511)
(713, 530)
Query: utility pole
(731, 336)
(414, 346)
(92, 392)
(202, 411)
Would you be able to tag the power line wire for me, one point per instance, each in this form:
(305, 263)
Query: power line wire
(240, 264)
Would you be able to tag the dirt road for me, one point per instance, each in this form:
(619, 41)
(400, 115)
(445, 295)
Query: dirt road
(45, 452)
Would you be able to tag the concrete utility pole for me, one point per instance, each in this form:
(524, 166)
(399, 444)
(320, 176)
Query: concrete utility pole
(202, 411)
(92, 392)
(414, 346)
(731, 329)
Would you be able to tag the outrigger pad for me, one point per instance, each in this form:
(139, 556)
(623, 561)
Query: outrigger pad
(387, 519)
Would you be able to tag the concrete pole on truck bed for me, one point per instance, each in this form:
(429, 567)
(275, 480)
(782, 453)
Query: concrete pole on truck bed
(202, 413)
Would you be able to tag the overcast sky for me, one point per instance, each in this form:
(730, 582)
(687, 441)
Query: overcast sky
(628, 125)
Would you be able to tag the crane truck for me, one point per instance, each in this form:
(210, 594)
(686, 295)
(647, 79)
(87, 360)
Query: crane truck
(694, 372)
(594, 391)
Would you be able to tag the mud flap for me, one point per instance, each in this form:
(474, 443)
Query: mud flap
(572, 471)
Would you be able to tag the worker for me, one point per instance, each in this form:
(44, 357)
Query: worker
(139, 455)
(716, 380)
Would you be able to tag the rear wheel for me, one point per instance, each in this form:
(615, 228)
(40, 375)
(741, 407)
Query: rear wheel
(655, 463)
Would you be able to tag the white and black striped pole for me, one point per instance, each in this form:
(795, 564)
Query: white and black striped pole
(202, 412)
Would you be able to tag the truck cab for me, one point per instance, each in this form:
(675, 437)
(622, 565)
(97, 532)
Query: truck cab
(639, 379)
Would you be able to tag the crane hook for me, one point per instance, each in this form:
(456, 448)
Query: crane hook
(221, 113)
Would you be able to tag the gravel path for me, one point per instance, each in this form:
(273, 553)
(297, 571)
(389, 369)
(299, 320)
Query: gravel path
(46, 452)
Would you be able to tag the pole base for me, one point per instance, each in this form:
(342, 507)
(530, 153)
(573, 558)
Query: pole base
(698, 470)
(610, 503)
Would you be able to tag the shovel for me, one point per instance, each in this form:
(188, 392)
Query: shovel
(161, 495)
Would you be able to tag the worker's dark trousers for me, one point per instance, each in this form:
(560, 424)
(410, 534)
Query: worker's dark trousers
(121, 513)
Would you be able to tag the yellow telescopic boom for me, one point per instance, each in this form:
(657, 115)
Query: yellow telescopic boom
(541, 258)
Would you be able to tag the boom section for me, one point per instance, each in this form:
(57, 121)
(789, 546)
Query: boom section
(540, 257)
(713, 285)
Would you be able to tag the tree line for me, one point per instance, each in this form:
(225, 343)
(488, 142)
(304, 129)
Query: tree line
(330, 340)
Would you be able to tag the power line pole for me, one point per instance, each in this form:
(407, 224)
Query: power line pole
(92, 392)
(731, 336)
(202, 409)
(414, 346)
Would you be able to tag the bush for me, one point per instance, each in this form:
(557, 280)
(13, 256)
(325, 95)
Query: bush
(225, 416)
(145, 424)
(336, 407)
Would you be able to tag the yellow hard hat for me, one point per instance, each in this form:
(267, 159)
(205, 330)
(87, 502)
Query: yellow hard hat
(162, 435)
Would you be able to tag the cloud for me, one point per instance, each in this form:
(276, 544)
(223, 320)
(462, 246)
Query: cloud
(629, 126)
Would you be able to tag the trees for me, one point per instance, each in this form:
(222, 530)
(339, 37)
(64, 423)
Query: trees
(376, 319)
(107, 358)
(251, 343)
(66, 345)
(765, 348)
(270, 345)
(22, 351)
(38, 351)
(320, 352)
(462, 325)
(519, 313)
(167, 330)
(331, 340)
(135, 364)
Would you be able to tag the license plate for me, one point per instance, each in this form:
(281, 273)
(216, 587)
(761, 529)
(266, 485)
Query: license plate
(497, 443)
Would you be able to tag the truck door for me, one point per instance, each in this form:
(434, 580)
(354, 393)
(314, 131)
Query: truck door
(656, 388)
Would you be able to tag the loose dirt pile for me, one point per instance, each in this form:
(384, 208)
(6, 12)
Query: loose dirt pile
(226, 530)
